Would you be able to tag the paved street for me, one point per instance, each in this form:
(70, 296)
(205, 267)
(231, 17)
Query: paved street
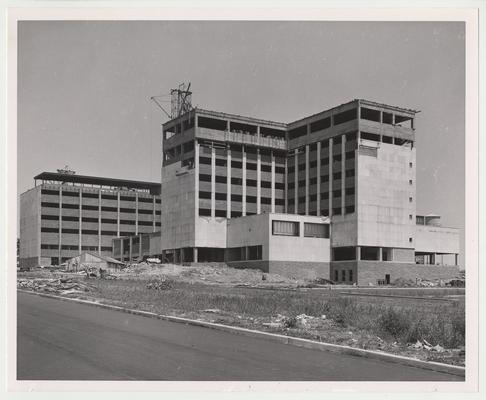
(60, 340)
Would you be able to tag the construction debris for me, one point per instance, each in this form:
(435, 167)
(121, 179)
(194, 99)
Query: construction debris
(61, 286)
(161, 284)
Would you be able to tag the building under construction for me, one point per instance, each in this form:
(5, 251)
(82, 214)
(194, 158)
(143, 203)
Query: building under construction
(330, 195)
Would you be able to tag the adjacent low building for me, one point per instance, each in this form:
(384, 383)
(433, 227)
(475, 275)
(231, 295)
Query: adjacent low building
(65, 215)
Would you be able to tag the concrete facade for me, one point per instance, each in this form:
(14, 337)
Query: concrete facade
(354, 163)
(66, 215)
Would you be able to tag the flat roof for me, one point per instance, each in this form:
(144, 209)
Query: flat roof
(96, 180)
(284, 125)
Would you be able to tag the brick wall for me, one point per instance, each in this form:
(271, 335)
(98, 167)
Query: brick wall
(301, 270)
(29, 262)
(291, 269)
(370, 271)
(340, 266)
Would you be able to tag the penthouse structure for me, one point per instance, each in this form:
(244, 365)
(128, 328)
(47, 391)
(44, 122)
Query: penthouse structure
(352, 167)
(66, 214)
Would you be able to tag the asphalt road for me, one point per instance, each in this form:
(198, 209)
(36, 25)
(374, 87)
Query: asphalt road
(59, 340)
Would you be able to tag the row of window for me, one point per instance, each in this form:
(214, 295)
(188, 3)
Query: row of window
(292, 228)
(239, 165)
(96, 195)
(239, 181)
(246, 253)
(324, 161)
(95, 220)
(325, 211)
(324, 123)
(96, 208)
(88, 231)
(75, 248)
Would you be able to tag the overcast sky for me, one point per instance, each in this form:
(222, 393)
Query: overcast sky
(84, 89)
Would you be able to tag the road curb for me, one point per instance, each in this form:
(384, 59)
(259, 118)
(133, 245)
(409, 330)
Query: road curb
(275, 337)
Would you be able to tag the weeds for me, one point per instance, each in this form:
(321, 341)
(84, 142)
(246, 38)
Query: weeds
(404, 321)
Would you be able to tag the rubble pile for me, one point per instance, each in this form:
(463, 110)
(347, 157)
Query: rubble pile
(160, 284)
(62, 286)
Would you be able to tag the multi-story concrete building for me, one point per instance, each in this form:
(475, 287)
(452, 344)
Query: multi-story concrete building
(66, 214)
(354, 163)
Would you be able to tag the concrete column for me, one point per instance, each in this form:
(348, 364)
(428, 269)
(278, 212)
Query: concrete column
(296, 182)
(318, 211)
(80, 220)
(194, 254)
(380, 254)
(213, 182)
(331, 143)
(286, 183)
(153, 215)
(243, 187)
(118, 215)
(432, 258)
(130, 248)
(122, 257)
(196, 179)
(259, 179)
(358, 253)
(343, 173)
(307, 177)
(140, 247)
(136, 213)
(456, 256)
(181, 260)
(272, 155)
(99, 221)
(228, 183)
(59, 252)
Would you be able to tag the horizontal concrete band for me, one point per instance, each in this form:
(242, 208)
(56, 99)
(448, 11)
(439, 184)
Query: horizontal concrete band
(306, 343)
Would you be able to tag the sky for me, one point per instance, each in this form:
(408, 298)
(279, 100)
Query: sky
(84, 89)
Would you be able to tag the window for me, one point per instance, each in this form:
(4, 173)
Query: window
(410, 217)
(349, 191)
(285, 228)
(53, 192)
(350, 272)
(316, 230)
(336, 275)
(343, 275)
(204, 195)
(344, 253)
(336, 210)
(345, 116)
(410, 165)
(254, 252)
(410, 240)
(115, 210)
(349, 209)
(70, 206)
(204, 212)
(320, 124)
(127, 198)
(410, 199)
(410, 182)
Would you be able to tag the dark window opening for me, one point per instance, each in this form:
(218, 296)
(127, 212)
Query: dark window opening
(204, 178)
(344, 253)
(370, 115)
(350, 173)
(349, 191)
(236, 164)
(387, 139)
(220, 213)
(114, 209)
(370, 136)
(204, 212)
(221, 179)
(272, 133)
(345, 116)
(220, 196)
(204, 160)
(336, 176)
(406, 122)
(336, 210)
(387, 118)
(51, 192)
(370, 253)
(324, 178)
(211, 123)
(71, 206)
(350, 155)
(320, 124)
(243, 128)
(298, 132)
(349, 209)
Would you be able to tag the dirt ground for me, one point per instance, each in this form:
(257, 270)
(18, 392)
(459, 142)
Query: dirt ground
(252, 299)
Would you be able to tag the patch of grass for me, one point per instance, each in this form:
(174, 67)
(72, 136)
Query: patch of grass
(404, 321)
